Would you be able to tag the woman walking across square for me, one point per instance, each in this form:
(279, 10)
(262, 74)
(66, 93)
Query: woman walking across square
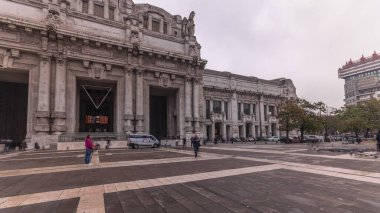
(89, 147)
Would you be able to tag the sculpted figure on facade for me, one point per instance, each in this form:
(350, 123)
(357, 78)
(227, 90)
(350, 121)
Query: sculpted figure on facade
(184, 27)
(135, 40)
(53, 20)
(190, 24)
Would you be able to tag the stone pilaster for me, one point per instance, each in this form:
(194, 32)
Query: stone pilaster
(261, 117)
(234, 115)
(161, 26)
(149, 22)
(128, 106)
(224, 131)
(140, 100)
(106, 9)
(188, 117)
(244, 133)
(196, 104)
(91, 7)
(59, 113)
(43, 104)
(212, 132)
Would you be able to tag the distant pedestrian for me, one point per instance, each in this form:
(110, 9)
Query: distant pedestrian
(196, 142)
(378, 141)
(89, 148)
(184, 142)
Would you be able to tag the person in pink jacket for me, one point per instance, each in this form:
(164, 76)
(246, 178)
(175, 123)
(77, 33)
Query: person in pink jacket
(89, 147)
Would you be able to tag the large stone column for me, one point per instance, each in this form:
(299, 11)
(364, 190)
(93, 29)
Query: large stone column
(59, 113)
(140, 100)
(43, 104)
(128, 101)
(196, 105)
(188, 105)
(212, 132)
(234, 115)
(261, 116)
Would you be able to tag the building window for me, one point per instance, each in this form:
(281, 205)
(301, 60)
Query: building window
(145, 22)
(112, 13)
(265, 113)
(247, 109)
(208, 109)
(155, 26)
(239, 111)
(254, 109)
(99, 10)
(84, 6)
(217, 106)
(165, 28)
(226, 109)
(272, 111)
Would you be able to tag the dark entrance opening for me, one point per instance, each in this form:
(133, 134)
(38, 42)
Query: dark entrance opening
(163, 112)
(13, 111)
(96, 106)
(158, 116)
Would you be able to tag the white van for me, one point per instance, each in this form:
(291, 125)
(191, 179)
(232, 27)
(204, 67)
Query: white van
(142, 140)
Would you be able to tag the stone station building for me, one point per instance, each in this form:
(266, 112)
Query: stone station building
(71, 67)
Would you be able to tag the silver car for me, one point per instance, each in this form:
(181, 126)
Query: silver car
(142, 140)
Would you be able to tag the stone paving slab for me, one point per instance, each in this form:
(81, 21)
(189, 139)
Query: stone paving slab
(40, 163)
(353, 163)
(270, 191)
(61, 206)
(138, 156)
(10, 186)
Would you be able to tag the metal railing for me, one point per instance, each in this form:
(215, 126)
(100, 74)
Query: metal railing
(96, 136)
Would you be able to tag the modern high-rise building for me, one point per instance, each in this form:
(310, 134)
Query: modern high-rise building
(362, 79)
(70, 67)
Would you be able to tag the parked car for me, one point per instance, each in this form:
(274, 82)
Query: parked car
(142, 140)
(273, 138)
(250, 139)
(234, 140)
(311, 138)
(286, 140)
(296, 140)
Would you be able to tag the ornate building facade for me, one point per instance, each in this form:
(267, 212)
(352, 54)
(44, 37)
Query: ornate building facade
(78, 66)
(362, 79)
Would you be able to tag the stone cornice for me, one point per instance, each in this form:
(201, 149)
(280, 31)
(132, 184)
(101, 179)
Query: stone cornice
(163, 36)
(63, 32)
(96, 19)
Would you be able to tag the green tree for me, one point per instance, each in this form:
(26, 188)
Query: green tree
(371, 112)
(353, 119)
(288, 111)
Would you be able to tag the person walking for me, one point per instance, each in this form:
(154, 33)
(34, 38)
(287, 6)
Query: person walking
(89, 145)
(378, 141)
(196, 144)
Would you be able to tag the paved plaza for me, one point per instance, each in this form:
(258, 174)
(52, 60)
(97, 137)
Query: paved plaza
(225, 178)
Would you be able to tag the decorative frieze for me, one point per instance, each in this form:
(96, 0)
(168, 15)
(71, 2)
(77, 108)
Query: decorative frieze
(88, 50)
(8, 35)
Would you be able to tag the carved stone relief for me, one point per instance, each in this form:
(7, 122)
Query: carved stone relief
(9, 35)
(71, 48)
(97, 71)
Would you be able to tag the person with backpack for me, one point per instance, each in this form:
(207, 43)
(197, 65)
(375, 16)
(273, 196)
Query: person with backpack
(196, 142)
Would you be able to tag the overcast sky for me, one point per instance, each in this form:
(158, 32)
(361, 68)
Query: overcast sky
(304, 40)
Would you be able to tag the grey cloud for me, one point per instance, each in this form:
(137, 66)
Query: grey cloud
(304, 40)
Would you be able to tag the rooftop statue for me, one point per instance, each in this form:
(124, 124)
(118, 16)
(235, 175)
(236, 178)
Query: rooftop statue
(188, 25)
